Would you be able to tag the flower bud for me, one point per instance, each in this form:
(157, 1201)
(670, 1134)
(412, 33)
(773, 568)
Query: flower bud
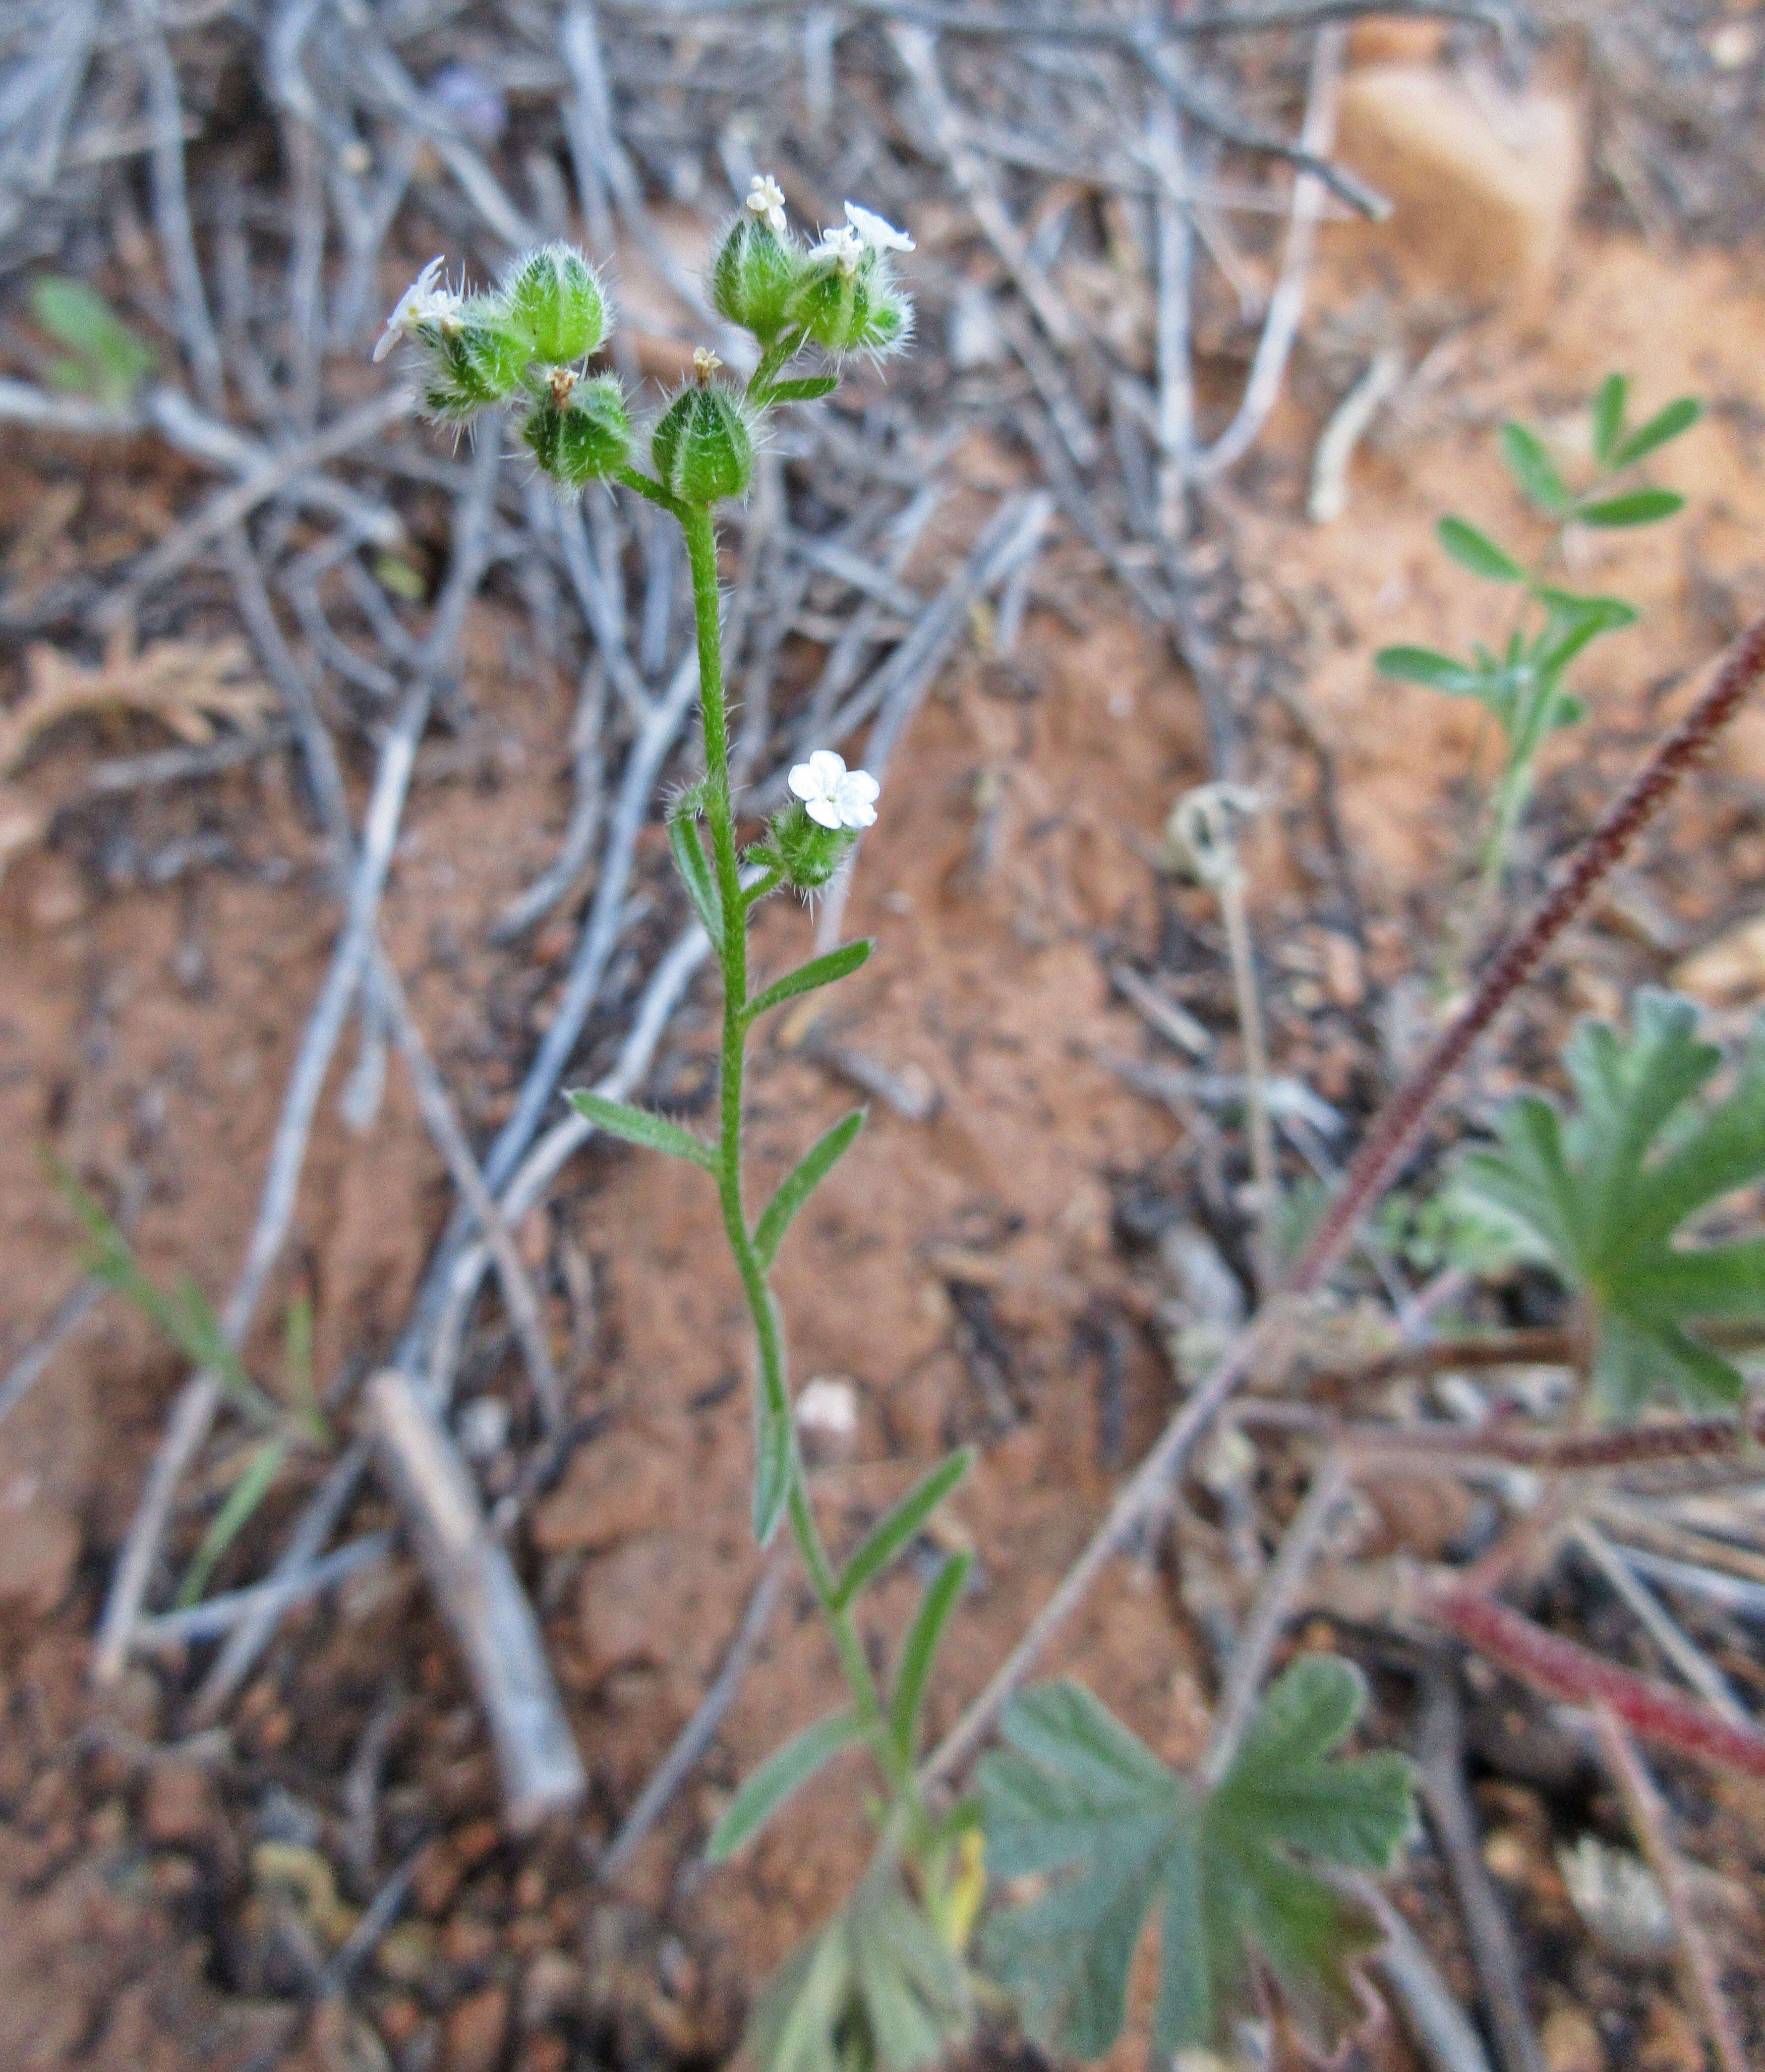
(852, 309)
(579, 433)
(810, 853)
(554, 299)
(703, 448)
(752, 275)
(476, 359)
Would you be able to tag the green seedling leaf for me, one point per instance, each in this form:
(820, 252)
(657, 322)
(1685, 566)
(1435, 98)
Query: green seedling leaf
(107, 361)
(1437, 672)
(1574, 621)
(808, 389)
(1533, 469)
(783, 1774)
(636, 1125)
(243, 1499)
(1602, 1197)
(1678, 417)
(818, 972)
(887, 1539)
(399, 579)
(184, 1316)
(801, 1181)
(919, 1650)
(1611, 401)
(1640, 507)
(695, 869)
(1473, 550)
(1074, 1793)
(877, 1990)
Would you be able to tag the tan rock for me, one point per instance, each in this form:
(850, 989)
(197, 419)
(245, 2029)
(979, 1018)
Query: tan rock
(180, 1804)
(476, 2030)
(1729, 972)
(1483, 182)
(1570, 2042)
(1396, 40)
(39, 1545)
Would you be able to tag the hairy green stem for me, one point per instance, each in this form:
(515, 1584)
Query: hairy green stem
(695, 522)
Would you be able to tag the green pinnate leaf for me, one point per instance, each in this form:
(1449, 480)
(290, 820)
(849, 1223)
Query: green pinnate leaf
(891, 1535)
(1667, 424)
(1477, 552)
(1533, 469)
(636, 1125)
(802, 1181)
(818, 972)
(1611, 401)
(783, 1773)
(1074, 1792)
(1603, 1196)
(1639, 506)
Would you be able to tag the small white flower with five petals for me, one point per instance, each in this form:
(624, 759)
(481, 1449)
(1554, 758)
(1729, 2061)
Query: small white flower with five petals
(833, 796)
(843, 246)
(766, 198)
(427, 300)
(872, 231)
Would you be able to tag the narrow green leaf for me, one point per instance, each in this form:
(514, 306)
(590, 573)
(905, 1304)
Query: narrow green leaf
(1678, 417)
(1427, 666)
(942, 1595)
(636, 1126)
(1640, 507)
(1575, 621)
(695, 869)
(819, 970)
(1532, 468)
(297, 1368)
(1610, 400)
(243, 1498)
(109, 361)
(1476, 551)
(784, 1772)
(807, 389)
(879, 1547)
(773, 1465)
(801, 1181)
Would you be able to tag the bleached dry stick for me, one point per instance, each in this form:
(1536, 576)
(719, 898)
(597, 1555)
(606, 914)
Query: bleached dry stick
(482, 1600)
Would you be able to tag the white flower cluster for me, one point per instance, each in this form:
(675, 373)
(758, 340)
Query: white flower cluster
(428, 300)
(833, 796)
(863, 231)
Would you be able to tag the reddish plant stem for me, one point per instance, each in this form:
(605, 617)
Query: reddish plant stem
(1400, 1121)
(1563, 1670)
(1551, 1453)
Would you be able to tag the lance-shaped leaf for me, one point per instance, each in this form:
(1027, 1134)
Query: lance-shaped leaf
(773, 1439)
(1611, 401)
(695, 869)
(1639, 507)
(919, 1651)
(636, 1125)
(1074, 1793)
(1477, 552)
(1602, 1196)
(1574, 621)
(243, 1499)
(783, 1773)
(886, 1539)
(818, 972)
(1428, 666)
(1678, 417)
(1533, 469)
(801, 1181)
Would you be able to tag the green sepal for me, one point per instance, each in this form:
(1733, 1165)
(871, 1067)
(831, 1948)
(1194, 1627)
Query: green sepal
(636, 1125)
(807, 389)
(585, 439)
(554, 299)
(891, 1534)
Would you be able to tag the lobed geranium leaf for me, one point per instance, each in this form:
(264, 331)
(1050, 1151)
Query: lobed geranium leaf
(1603, 1195)
(1073, 1792)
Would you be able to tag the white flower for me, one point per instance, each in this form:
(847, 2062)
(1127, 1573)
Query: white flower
(427, 300)
(766, 198)
(844, 247)
(835, 796)
(871, 230)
